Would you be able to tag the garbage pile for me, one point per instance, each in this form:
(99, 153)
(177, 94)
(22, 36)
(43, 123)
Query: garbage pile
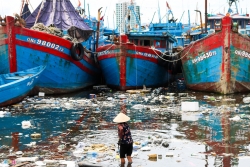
(166, 127)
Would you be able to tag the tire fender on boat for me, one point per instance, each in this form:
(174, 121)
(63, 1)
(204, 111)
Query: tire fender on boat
(77, 51)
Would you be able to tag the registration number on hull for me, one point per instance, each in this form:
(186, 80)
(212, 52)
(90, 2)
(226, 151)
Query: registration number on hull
(45, 43)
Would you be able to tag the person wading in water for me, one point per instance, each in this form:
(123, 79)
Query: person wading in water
(125, 138)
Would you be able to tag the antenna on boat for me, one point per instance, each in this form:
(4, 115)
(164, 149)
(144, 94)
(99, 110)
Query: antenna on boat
(159, 13)
(230, 2)
(152, 18)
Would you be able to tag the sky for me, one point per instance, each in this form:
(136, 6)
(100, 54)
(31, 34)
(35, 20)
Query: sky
(179, 8)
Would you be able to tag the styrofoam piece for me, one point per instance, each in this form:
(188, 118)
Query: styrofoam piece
(146, 148)
(169, 154)
(189, 106)
(40, 163)
(26, 124)
(41, 94)
(246, 99)
(69, 163)
(24, 159)
(190, 116)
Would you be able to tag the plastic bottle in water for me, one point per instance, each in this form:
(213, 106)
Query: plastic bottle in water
(94, 154)
(143, 144)
(5, 162)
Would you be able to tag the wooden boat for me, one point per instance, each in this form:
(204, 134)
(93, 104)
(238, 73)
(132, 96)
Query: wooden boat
(135, 59)
(128, 66)
(15, 86)
(220, 61)
(68, 65)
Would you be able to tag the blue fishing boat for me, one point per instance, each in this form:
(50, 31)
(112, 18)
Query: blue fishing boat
(41, 40)
(220, 61)
(15, 86)
(136, 58)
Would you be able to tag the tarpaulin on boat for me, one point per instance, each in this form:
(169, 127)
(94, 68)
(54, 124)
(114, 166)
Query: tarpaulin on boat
(25, 12)
(62, 15)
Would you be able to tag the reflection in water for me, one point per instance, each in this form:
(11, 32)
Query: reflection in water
(223, 137)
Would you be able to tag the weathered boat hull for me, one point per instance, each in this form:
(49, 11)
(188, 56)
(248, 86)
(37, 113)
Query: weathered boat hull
(219, 62)
(23, 48)
(15, 86)
(127, 66)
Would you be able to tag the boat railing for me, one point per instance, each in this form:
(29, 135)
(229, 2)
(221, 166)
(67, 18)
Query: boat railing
(147, 33)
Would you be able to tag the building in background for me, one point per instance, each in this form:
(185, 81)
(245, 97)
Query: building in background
(127, 20)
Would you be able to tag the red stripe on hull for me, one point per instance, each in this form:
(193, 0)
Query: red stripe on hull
(12, 30)
(55, 53)
(43, 36)
(124, 47)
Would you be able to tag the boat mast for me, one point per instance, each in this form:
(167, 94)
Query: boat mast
(22, 8)
(98, 26)
(205, 16)
(159, 13)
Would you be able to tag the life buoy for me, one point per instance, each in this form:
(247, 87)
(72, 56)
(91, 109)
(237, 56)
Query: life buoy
(77, 51)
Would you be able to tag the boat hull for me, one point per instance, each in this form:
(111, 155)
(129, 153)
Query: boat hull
(15, 86)
(127, 66)
(24, 48)
(219, 62)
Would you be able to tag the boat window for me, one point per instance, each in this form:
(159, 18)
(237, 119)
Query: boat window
(141, 43)
(157, 44)
(248, 32)
(147, 43)
(163, 44)
(211, 24)
(151, 43)
(240, 24)
(136, 41)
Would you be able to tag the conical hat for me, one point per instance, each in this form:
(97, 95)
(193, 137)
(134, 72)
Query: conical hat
(121, 118)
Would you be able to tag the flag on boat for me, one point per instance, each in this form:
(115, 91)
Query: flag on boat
(168, 5)
(79, 3)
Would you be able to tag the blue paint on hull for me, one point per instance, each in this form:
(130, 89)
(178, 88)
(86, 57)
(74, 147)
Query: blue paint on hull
(4, 60)
(142, 72)
(14, 85)
(59, 74)
(240, 65)
(111, 71)
(206, 69)
(139, 72)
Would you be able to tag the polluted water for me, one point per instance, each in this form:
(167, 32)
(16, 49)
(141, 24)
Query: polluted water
(168, 129)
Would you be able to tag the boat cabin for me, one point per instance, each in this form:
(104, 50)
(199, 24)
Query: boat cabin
(162, 41)
(239, 24)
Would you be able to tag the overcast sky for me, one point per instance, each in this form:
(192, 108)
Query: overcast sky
(179, 8)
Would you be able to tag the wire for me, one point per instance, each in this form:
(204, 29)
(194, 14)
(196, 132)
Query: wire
(176, 54)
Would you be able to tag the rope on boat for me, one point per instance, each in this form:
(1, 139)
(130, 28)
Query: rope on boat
(163, 54)
(50, 30)
(53, 30)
